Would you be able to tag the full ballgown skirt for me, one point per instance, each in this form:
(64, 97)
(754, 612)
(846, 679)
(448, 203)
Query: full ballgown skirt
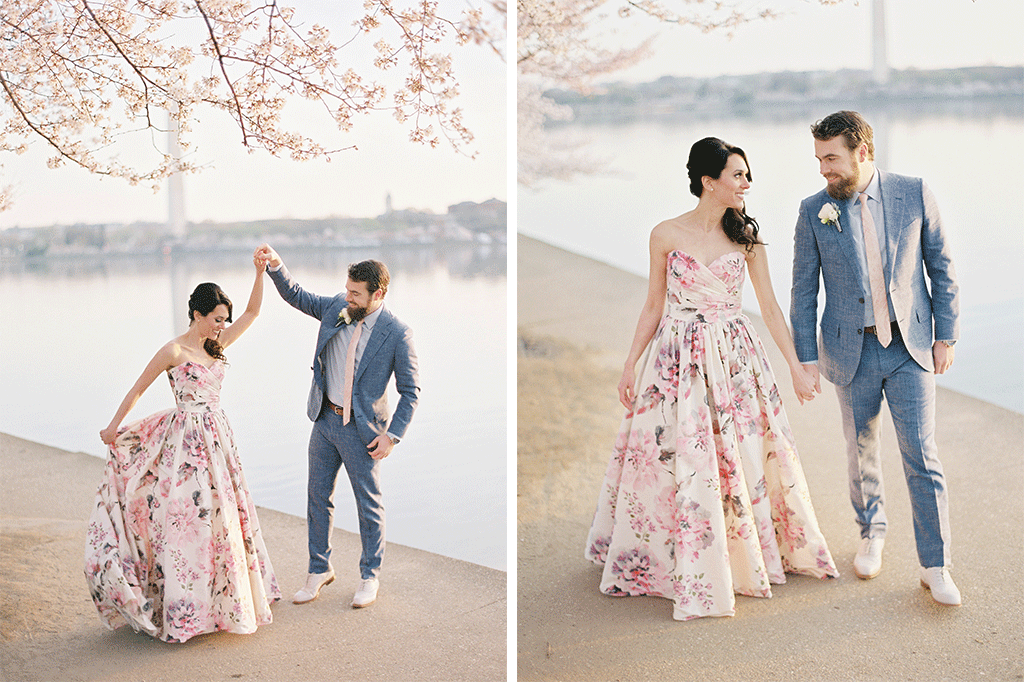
(174, 547)
(704, 495)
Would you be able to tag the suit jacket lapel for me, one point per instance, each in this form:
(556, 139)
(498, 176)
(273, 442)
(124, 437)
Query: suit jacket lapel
(894, 209)
(381, 330)
(332, 328)
(846, 235)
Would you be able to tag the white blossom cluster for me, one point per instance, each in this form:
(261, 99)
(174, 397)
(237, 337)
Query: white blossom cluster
(82, 74)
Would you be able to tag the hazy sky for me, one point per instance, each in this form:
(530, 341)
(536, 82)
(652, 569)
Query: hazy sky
(242, 186)
(923, 34)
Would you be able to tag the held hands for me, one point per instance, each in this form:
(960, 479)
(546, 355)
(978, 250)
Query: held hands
(260, 261)
(267, 255)
(806, 382)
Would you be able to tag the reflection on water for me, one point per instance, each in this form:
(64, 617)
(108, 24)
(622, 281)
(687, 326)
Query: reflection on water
(78, 332)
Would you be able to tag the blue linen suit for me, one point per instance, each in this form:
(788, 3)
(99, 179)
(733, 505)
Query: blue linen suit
(860, 368)
(389, 351)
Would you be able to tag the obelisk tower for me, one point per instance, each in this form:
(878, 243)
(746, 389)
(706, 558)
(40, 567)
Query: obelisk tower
(880, 64)
(175, 185)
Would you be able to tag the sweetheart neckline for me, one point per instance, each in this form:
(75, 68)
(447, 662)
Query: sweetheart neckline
(708, 266)
(193, 362)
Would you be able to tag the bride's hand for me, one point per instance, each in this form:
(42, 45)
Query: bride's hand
(108, 435)
(805, 383)
(626, 383)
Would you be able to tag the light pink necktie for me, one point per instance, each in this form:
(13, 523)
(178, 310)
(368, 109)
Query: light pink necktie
(350, 370)
(876, 279)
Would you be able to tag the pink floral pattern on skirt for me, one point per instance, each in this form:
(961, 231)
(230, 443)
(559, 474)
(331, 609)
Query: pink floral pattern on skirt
(174, 547)
(704, 496)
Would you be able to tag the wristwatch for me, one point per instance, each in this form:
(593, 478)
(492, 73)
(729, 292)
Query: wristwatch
(949, 344)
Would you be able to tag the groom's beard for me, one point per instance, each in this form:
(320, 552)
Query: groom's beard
(356, 313)
(844, 188)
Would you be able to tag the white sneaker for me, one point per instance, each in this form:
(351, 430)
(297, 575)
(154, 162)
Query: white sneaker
(938, 580)
(314, 581)
(868, 562)
(367, 593)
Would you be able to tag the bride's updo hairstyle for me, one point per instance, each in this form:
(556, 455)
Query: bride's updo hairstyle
(709, 157)
(203, 300)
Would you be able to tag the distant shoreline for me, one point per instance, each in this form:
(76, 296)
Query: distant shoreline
(973, 91)
(465, 223)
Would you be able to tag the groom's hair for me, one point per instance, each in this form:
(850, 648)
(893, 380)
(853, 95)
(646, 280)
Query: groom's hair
(851, 125)
(373, 272)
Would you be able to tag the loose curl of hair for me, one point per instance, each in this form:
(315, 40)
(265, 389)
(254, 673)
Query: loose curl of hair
(709, 157)
(203, 300)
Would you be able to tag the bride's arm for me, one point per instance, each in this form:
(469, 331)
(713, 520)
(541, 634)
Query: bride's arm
(252, 310)
(163, 360)
(650, 316)
(757, 265)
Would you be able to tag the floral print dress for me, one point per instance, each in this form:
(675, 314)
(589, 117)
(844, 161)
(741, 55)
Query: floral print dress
(704, 495)
(174, 547)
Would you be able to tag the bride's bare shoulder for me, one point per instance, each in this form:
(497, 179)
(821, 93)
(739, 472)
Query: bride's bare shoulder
(673, 226)
(680, 221)
(672, 232)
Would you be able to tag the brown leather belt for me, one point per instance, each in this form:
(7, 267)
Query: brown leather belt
(892, 325)
(340, 411)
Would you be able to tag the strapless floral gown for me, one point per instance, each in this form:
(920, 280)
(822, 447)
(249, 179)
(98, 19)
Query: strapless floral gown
(704, 496)
(174, 547)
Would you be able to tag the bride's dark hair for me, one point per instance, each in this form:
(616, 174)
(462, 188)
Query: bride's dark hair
(203, 300)
(709, 157)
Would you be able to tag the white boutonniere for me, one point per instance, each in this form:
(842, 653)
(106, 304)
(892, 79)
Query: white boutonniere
(829, 213)
(343, 318)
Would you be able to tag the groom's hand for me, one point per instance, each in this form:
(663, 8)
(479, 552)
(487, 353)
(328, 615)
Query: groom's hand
(268, 255)
(380, 447)
(943, 356)
(812, 371)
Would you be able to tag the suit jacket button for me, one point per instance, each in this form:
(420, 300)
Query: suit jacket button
(860, 331)
(862, 300)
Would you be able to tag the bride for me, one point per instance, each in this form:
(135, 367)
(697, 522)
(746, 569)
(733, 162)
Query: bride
(704, 496)
(174, 547)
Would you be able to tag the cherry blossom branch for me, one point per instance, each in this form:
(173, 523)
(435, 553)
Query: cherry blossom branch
(223, 69)
(78, 74)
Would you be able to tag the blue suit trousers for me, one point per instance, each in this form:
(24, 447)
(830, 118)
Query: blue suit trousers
(909, 391)
(332, 445)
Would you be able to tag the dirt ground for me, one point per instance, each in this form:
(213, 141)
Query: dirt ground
(843, 629)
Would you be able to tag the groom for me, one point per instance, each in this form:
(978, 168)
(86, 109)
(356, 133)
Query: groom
(359, 347)
(872, 236)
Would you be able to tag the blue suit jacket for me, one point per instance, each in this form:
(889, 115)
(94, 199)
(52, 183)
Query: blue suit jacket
(916, 244)
(388, 352)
